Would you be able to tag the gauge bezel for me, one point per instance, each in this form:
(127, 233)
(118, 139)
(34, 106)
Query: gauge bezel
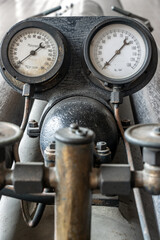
(117, 20)
(58, 37)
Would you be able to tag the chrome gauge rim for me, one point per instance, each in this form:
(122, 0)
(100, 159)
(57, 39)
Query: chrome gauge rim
(118, 51)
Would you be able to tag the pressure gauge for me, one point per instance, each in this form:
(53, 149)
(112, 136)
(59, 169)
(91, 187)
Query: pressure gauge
(119, 51)
(34, 52)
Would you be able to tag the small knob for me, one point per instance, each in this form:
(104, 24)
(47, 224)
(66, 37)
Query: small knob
(9, 134)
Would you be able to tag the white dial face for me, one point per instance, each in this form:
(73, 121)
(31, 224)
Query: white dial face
(33, 52)
(118, 51)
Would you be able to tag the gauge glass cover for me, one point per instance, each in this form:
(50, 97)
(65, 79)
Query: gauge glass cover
(32, 52)
(118, 51)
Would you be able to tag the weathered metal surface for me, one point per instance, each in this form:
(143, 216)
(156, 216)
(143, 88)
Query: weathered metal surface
(103, 153)
(87, 112)
(151, 156)
(109, 201)
(144, 135)
(28, 178)
(9, 133)
(73, 194)
(136, 191)
(152, 179)
(149, 179)
(49, 155)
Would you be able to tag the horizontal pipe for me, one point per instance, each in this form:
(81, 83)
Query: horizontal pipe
(46, 198)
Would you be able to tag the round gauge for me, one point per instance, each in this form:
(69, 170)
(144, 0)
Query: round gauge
(34, 52)
(118, 51)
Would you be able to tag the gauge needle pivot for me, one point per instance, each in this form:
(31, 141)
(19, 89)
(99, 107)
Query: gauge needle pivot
(117, 52)
(32, 52)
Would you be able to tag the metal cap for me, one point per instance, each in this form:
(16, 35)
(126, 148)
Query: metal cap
(9, 133)
(75, 135)
(145, 135)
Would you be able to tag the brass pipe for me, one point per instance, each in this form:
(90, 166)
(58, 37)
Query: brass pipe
(148, 178)
(73, 193)
(95, 179)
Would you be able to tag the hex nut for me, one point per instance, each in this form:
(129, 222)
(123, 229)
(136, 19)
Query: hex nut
(151, 156)
(115, 179)
(101, 145)
(33, 124)
(28, 178)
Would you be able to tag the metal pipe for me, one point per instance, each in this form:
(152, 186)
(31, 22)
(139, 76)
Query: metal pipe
(46, 198)
(23, 126)
(146, 109)
(136, 191)
(73, 194)
(32, 222)
(47, 12)
(29, 150)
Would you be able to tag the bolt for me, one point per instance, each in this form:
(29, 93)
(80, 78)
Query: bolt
(52, 145)
(81, 132)
(126, 122)
(74, 126)
(101, 145)
(33, 124)
(157, 130)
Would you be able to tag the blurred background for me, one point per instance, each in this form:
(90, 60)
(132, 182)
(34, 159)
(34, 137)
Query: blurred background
(12, 11)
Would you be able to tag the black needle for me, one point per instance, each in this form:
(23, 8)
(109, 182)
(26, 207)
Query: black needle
(117, 52)
(32, 53)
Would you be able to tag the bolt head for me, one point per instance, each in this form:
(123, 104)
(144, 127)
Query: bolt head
(52, 145)
(74, 126)
(156, 130)
(126, 122)
(101, 145)
(33, 124)
(81, 132)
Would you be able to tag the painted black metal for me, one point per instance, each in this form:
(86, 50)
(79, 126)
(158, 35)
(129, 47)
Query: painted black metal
(85, 111)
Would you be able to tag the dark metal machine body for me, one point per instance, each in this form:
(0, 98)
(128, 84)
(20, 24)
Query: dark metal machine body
(76, 100)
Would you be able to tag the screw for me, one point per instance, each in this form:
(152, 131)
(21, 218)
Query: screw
(81, 132)
(157, 130)
(74, 126)
(33, 124)
(101, 145)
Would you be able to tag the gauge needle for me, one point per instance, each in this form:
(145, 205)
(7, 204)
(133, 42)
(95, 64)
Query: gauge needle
(32, 52)
(117, 52)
